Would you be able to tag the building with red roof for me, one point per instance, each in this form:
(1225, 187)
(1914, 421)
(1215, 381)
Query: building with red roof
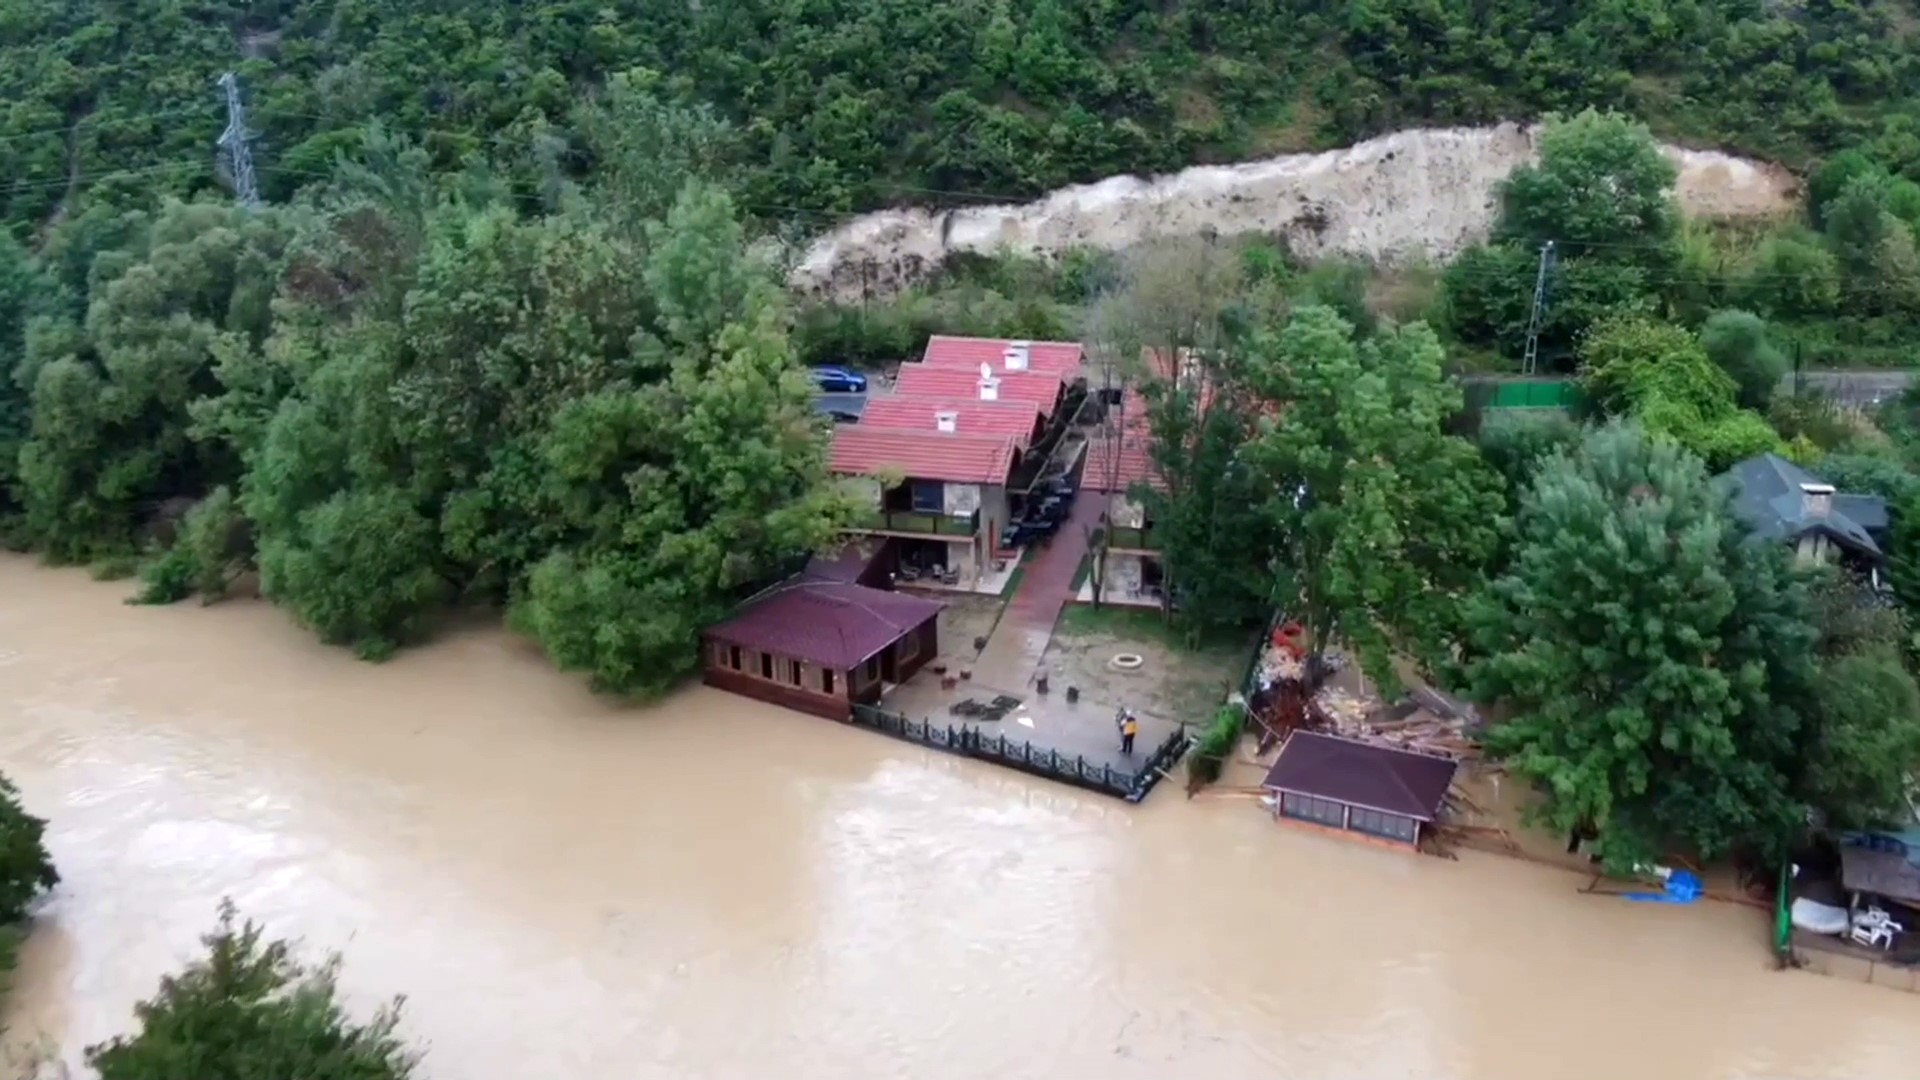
(1016, 420)
(1059, 358)
(1040, 389)
(821, 646)
(862, 450)
(948, 502)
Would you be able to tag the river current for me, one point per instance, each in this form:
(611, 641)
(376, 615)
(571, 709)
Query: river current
(710, 887)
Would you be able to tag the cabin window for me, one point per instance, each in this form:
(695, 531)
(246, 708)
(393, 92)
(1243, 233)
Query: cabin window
(794, 674)
(1375, 823)
(826, 679)
(908, 648)
(929, 496)
(1318, 811)
(733, 657)
(873, 668)
(766, 666)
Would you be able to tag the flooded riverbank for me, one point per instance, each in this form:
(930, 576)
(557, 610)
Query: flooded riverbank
(717, 888)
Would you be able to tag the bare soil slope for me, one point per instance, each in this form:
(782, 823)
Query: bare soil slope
(1415, 193)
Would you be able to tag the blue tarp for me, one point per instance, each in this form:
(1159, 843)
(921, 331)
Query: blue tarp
(1683, 887)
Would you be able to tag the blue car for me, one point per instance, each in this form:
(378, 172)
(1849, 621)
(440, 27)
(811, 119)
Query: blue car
(839, 380)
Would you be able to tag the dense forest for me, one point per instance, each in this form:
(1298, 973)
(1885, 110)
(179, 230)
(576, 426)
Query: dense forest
(848, 104)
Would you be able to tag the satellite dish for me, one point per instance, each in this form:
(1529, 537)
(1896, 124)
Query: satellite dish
(986, 370)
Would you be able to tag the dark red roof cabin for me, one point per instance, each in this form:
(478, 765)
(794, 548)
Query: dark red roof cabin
(1381, 792)
(821, 646)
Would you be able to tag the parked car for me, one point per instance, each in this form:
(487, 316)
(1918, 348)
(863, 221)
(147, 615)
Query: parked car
(839, 380)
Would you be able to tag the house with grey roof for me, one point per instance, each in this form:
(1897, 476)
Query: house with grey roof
(1784, 503)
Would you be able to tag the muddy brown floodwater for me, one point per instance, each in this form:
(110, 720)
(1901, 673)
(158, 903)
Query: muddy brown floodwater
(716, 888)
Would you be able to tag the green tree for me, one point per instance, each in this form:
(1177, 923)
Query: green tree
(1602, 183)
(1736, 341)
(664, 540)
(1793, 277)
(1650, 661)
(110, 436)
(26, 870)
(1378, 523)
(1661, 375)
(249, 1009)
(1866, 743)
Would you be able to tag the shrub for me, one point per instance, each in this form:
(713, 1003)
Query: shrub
(25, 867)
(249, 1009)
(1209, 754)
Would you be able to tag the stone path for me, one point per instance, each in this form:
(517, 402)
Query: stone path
(1013, 652)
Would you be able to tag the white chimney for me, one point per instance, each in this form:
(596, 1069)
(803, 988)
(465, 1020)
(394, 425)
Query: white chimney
(989, 389)
(947, 421)
(1017, 354)
(1816, 500)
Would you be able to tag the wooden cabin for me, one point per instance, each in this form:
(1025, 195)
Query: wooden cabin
(1380, 793)
(821, 646)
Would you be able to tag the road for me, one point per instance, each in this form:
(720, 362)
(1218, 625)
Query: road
(1858, 388)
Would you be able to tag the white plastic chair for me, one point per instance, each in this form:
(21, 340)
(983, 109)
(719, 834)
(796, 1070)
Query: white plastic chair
(1872, 935)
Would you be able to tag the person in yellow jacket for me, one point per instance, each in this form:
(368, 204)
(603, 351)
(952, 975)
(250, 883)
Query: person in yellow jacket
(1129, 727)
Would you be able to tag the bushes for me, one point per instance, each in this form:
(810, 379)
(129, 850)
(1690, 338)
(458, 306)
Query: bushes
(25, 870)
(1209, 754)
(249, 1009)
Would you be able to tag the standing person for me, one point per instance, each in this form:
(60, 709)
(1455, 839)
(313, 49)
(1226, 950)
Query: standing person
(1129, 727)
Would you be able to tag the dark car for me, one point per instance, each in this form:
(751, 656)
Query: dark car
(839, 380)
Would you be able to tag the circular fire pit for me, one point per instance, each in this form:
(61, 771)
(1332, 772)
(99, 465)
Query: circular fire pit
(1127, 661)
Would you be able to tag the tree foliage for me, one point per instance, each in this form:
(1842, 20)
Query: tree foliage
(1601, 183)
(1652, 664)
(247, 1009)
(1372, 523)
(26, 870)
(1661, 375)
(848, 104)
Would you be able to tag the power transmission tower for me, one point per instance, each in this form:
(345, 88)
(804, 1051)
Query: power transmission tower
(1531, 361)
(235, 143)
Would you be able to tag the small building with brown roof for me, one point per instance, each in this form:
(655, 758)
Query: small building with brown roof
(1003, 356)
(1381, 792)
(944, 496)
(821, 646)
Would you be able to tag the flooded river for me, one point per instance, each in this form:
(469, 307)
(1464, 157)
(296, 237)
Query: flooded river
(716, 888)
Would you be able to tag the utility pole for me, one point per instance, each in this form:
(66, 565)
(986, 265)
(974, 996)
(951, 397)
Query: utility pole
(234, 142)
(1531, 361)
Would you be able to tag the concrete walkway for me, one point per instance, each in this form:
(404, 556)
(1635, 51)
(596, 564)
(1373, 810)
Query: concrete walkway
(1013, 652)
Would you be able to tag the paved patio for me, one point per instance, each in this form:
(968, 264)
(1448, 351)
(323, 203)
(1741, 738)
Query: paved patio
(1081, 729)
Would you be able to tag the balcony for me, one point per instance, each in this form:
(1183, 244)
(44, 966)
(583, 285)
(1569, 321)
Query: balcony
(1124, 538)
(916, 522)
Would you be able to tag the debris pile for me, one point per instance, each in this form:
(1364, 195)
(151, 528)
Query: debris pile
(1290, 694)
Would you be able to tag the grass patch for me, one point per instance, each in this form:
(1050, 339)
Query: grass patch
(1140, 624)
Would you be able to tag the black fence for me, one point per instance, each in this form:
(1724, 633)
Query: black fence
(1131, 785)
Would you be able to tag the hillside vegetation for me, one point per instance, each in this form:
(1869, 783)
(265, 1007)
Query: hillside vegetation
(848, 104)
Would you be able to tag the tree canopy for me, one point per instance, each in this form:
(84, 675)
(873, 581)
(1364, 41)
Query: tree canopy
(250, 1008)
(855, 103)
(1653, 663)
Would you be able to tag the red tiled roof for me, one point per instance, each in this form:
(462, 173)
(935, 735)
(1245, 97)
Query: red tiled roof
(1117, 464)
(1362, 774)
(827, 623)
(859, 450)
(1054, 357)
(1014, 420)
(962, 384)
